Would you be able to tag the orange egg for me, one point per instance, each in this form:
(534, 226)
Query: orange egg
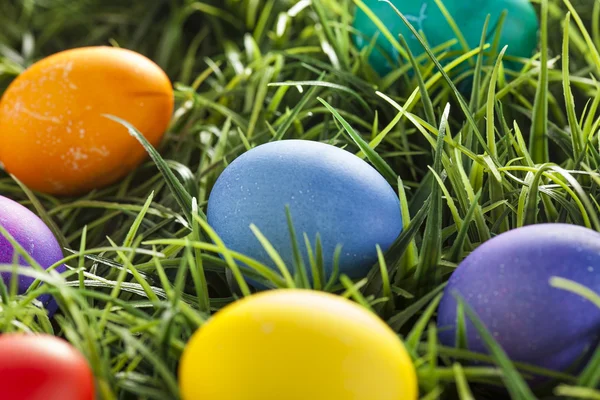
(53, 135)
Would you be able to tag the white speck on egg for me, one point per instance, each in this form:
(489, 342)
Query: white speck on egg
(33, 114)
(267, 327)
(56, 185)
(102, 151)
(78, 154)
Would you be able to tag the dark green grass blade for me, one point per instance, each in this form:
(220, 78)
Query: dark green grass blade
(538, 139)
(184, 199)
(515, 383)
(378, 162)
(400, 319)
(458, 246)
(590, 377)
(431, 249)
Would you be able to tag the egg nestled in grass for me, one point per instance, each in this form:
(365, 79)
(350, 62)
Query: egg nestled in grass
(30, 232)
(330, 192)
(53, 113)
(43, 367)
(296, 345)
(506, 281)
(519, 29)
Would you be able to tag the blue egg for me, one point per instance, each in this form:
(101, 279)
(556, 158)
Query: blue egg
(506, 281)
(329, 191)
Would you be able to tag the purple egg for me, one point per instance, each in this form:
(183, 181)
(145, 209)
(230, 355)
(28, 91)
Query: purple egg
(35, 237)
(506, 281)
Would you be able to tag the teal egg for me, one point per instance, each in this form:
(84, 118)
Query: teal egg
(519, 30)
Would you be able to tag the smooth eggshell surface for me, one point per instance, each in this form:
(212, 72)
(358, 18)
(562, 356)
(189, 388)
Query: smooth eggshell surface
(506, 281)
(328, 190)
(43, 367)
(53, 114)
(296, 345)
(35, 238)
(519, 32)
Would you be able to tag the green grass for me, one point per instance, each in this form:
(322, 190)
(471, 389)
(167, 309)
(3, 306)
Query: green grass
(250, 71)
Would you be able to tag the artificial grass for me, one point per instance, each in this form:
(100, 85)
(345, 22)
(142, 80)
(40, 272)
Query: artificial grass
(522, 148)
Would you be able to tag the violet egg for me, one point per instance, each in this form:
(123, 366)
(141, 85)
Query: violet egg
(35, 238)
(506, 282)
(329, 191)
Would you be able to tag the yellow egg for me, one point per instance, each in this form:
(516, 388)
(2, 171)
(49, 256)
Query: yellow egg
(294, 344)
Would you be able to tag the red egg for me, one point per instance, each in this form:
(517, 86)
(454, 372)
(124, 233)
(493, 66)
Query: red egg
(43, 367)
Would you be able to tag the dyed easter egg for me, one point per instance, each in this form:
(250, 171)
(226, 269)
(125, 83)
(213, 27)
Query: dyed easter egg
(329, 191)
(53, 113)
(296, 345)
(44, 367)
(506, 281)
(35, 238)
(519, 30)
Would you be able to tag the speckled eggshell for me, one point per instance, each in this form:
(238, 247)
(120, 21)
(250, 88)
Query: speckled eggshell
(35, 237)
(519, 32)
(54, 133)
(506, 281)
(328, 190)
